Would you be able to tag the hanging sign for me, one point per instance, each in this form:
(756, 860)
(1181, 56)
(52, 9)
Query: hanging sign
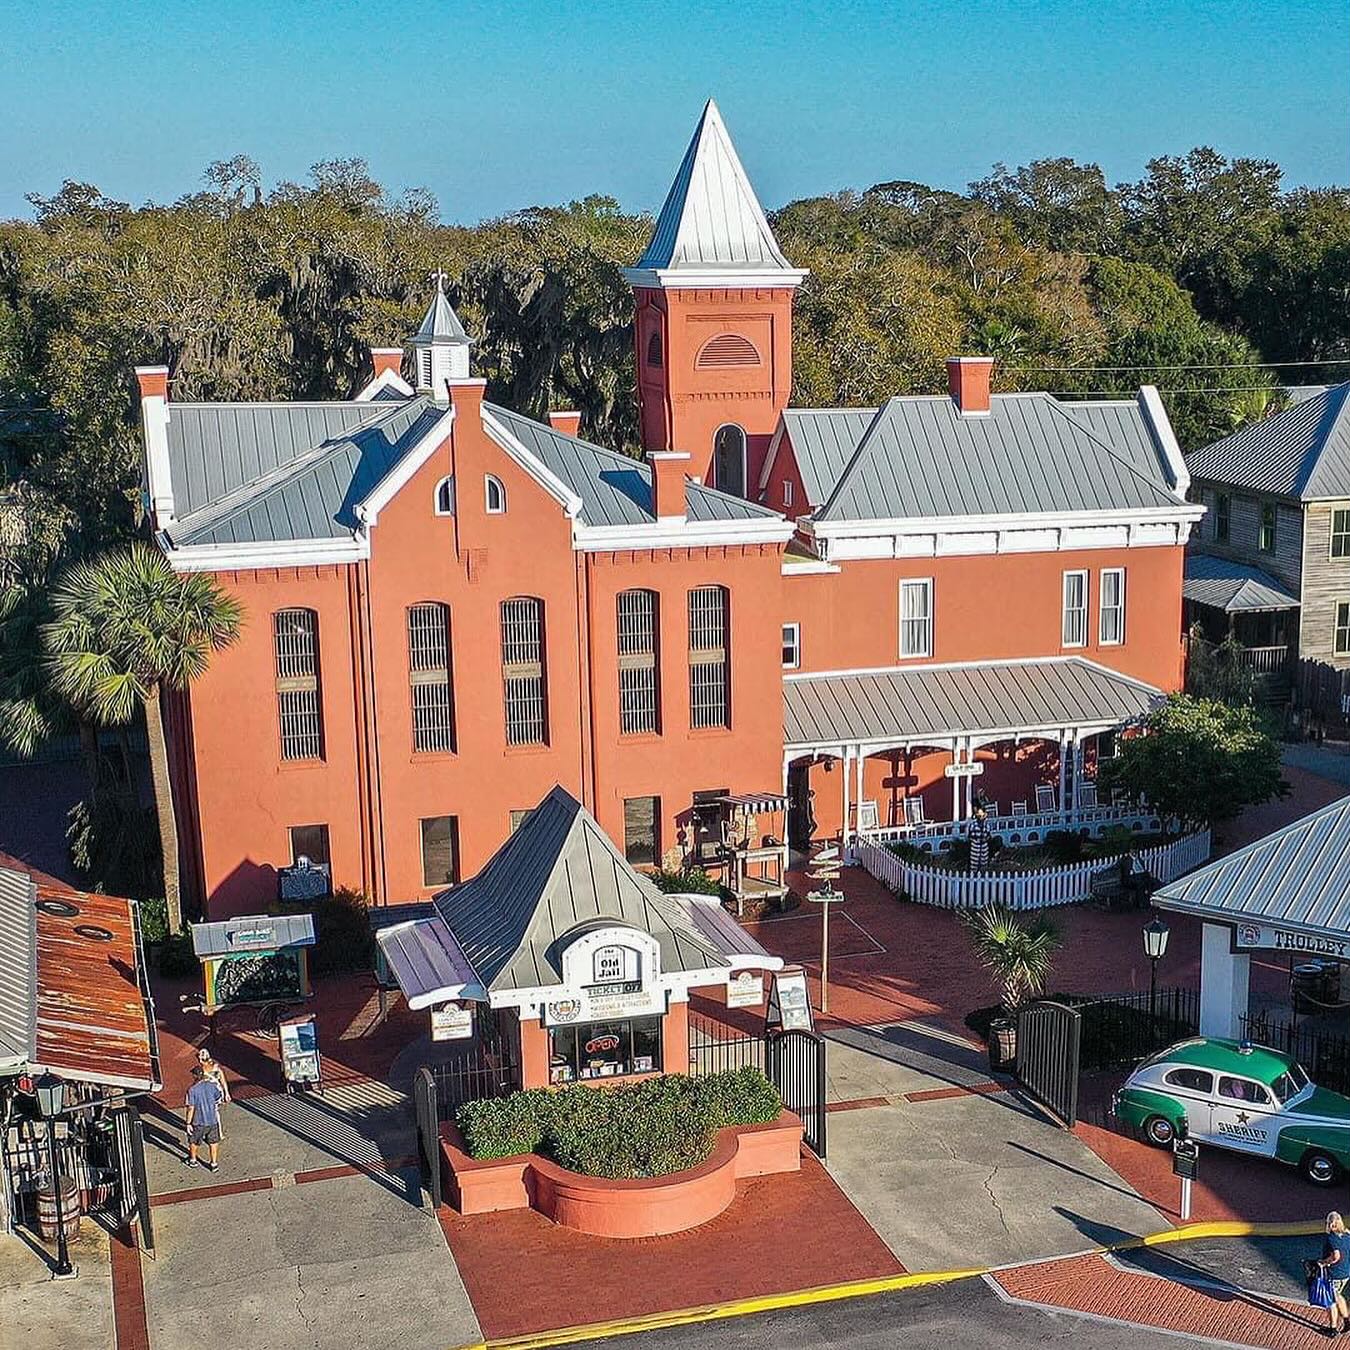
(745, 989)
(1264, 936)
(452, 1022)
(608, 973)
(972, 769)
(790, 1001)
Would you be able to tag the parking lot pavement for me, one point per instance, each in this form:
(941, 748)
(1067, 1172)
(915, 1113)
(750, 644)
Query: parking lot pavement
(355, 1262)
(1264, 1265)
(39, 1313)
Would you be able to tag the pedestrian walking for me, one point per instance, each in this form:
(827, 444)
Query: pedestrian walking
(203, 1119)
(213, 1073)
(1336, 1263)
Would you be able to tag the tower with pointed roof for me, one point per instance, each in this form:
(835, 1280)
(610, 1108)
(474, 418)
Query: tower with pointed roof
(440, 346)
(713, 323)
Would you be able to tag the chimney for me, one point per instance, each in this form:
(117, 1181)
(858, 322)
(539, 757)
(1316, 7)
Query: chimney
(668, 483)
(386, 359)
(154, 386)
(968, 380)
(466, 397)
(569, 423)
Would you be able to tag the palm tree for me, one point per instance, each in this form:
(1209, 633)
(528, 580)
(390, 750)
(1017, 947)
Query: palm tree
(1016, 954)
(124, 629)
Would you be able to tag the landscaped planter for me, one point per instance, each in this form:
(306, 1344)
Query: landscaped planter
(642, 1207)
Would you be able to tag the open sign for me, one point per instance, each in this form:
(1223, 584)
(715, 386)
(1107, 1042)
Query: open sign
(597, 1044)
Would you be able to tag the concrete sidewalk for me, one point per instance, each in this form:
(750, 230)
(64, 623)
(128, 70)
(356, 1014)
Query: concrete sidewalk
(39, 1313)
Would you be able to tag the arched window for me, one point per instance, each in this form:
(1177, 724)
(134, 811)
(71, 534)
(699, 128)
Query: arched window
(295, 638)
(495, 495)
(655, 356)
(523, 675)
(725, 351)
(639, 706)
(445, 497)
(729, 460)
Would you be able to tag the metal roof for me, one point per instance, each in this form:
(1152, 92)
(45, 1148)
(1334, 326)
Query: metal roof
(18, 968)
(1299, 876)
(911, 703)
(712, 219)
(823, 441)
(921, 458)
(707, 914)
(560, 870)
(1120, 425)
(1302, 452)
(1232, 586)
(441, 323)
(252, 933)
(615, 489)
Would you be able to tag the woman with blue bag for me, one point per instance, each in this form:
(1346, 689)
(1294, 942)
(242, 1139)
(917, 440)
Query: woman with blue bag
(1326, 1287)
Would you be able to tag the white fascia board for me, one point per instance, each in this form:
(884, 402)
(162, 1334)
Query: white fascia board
(389, 379)
(854, 529)
(368, 509)
(251, 557)
(808, 569)
(680, 534)
(1155, 415)
(1059, 659)
(771, 458)
(677, 983)
(671, 279)
(534, 466)
(445, 993)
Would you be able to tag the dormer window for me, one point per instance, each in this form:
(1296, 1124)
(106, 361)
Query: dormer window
(445, 497)
(495, 495)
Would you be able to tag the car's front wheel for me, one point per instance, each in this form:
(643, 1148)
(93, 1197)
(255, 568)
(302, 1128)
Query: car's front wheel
(1160, 1131)
(1320, 1168)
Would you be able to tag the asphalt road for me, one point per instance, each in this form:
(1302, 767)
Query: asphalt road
(963, 1316)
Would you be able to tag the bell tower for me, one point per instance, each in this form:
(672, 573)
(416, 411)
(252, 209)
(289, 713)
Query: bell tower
(713, 324)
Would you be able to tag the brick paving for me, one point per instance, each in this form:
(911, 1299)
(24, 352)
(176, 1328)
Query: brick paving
(128, 1294)
(1093, 1285)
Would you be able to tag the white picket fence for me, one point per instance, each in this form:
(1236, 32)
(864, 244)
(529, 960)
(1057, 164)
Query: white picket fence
(1065, 884)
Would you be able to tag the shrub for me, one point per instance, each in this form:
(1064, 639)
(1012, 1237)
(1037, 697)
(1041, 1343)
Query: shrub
(154, 920)
(342, 936)
(176, 957)
(690, 881)
(1063, 846)
(645, 1129)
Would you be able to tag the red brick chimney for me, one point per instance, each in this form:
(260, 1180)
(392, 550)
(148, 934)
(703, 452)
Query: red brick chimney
(386, 358)
(668, 483)
(968, 380)
(569, 423)
(154, 381)
(154, 386)
(466, 397)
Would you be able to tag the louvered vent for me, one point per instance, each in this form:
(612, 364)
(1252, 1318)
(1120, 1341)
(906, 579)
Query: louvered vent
(727, 350)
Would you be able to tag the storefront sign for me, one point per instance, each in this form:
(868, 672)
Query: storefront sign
(745, 989)
(616, 964)
(452, 1022)
(971, 769)
(608, 974)
(1264, 936)
(598, 1044)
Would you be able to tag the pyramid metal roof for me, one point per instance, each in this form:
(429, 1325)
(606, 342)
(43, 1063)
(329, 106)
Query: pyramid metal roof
(441, 323)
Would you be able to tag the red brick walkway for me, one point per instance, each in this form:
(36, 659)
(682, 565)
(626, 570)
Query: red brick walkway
(1091, 1284)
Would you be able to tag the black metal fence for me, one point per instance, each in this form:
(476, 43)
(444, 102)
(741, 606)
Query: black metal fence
(427, 1114)
(795, 1065)
(1121, 1029)
(1049, 1044)
(1325, 1054)
(715, 1047)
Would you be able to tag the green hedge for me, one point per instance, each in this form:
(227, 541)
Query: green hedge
(646, 1129)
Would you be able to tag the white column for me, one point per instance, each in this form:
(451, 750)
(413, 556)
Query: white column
(861, 785)
(1076, 765)
(787, 763)
(1063, 769)
(1224, 978)
(843, 831)
(956, 782)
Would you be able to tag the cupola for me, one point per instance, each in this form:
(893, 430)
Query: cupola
(440, 346)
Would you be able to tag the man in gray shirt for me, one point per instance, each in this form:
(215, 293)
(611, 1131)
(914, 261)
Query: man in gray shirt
(203, 1118)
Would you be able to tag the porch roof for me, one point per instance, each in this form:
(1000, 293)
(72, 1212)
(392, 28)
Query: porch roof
(914, 704)
(1234, 587)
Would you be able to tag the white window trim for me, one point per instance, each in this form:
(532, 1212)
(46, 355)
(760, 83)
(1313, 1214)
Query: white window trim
(448, 480)
(796, 644)
(1102, 639)
(1064, 608)
(1332, 556)
(1335, 616)
(927, 653)
(787, 492)
(488, 480)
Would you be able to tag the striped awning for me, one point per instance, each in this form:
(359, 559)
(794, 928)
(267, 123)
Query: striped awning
(755, 801)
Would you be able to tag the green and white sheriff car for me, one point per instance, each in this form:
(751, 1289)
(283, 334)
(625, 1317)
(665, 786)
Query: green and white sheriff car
(1243, 1097)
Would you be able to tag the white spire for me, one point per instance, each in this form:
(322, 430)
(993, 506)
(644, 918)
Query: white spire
(712, 229)
(440, 346)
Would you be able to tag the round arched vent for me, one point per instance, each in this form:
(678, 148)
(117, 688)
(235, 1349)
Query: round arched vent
(726, 350)
(93, 932)
(58, 909)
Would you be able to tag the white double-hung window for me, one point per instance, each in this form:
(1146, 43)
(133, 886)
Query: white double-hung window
(1111, 603)
(1074, 628)
(916, 618)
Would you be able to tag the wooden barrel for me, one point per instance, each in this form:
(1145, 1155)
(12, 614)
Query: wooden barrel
(70, 1210)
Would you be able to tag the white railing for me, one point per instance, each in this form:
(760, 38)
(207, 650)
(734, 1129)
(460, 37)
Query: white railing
(936, 836)
(1065, 884)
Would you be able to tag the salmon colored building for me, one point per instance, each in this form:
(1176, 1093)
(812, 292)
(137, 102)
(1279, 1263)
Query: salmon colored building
(450, 608)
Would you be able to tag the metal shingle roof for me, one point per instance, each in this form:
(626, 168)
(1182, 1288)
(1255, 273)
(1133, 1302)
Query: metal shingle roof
(441, 323)
(18, 968)
(823, 441)
(1231, 586)
(1302, 452)
(907, 704)
(1298, 875)
(1029, 454)
(711, 218)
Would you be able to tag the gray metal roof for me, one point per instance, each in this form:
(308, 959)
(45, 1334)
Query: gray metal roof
(1120, 425)
(1299, 875)
(18, 968)
(922, 458)
(1231, 586)
(427, 962)
(440, 324)
(1302, 452)
(823, 441)
(711, 218)
(614, 489)
(907, 704)
(312, 495)
(252, 933)
(560, 870)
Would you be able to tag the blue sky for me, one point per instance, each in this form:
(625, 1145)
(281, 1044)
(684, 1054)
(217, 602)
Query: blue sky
(497, 106)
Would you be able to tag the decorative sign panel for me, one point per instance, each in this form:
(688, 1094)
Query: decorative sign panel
(1264, 936)
(452, 1022)
(745, 989)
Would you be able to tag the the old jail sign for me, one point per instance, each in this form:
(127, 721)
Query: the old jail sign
(1265, 936)
(610, 972)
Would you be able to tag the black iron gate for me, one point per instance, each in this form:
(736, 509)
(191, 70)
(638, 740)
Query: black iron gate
(134, 1201)
(795, 1063)
(1049, 1039)
(428, 1116)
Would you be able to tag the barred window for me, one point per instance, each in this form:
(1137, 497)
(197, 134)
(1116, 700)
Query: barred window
(433, 710)
(639, 704)
(709, 669)
(296, 640)
(523, 676)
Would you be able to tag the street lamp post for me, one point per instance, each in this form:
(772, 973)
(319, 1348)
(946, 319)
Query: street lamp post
(50, 1092)
(1156, 934)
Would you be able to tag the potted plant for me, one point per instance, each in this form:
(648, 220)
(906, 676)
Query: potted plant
(1018, 956)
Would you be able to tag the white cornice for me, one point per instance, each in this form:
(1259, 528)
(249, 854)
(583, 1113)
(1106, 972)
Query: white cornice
(684, 534)
(273, 553)
(533, 465)
(713, 279)
(389, 379)
(1151, 405)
